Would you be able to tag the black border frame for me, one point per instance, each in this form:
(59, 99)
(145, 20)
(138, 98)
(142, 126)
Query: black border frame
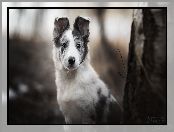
(8, 8)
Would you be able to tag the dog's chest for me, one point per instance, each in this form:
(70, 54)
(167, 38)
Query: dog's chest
(77, 101)
(79, 92)
(78, 98)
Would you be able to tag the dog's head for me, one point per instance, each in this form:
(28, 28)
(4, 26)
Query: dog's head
(71, 45)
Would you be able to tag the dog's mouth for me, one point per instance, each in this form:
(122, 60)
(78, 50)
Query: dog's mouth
(71, 67)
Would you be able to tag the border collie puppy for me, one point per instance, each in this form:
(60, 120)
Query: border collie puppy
(82, 96)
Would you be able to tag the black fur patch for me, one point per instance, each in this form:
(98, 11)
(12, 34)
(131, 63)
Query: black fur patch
(62, 49)
(57, 41)
(81, 31)
(99, 92)
(100, 107)
(114, 115)
(77, 35)
(82, 26)
(60, 26)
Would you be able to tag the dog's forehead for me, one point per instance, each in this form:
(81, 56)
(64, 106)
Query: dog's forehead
(67, 35)
(70, 35)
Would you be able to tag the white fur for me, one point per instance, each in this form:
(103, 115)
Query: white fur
(71, 51)
(77, 89)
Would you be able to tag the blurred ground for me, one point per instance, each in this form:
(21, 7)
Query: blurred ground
(32, 90)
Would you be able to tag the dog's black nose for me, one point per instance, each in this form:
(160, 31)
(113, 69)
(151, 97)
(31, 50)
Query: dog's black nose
(71, 60)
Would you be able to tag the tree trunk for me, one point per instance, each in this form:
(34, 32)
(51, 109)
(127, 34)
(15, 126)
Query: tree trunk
(145, 95)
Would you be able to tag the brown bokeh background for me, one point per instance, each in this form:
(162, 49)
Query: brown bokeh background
(32, 90)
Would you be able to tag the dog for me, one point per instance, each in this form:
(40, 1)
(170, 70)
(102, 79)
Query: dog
(82, 96)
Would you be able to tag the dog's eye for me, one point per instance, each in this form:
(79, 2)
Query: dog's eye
(78, 45)
(64, 45)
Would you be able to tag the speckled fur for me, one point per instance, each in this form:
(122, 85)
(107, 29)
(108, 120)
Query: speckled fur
(82, 96)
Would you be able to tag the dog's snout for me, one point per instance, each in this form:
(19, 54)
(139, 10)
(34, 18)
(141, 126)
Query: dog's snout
(71, 60)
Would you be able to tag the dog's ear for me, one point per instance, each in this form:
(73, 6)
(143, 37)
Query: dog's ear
(60, 25)
(82, 26)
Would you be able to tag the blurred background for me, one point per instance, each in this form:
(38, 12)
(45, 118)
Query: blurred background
(31, 83)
